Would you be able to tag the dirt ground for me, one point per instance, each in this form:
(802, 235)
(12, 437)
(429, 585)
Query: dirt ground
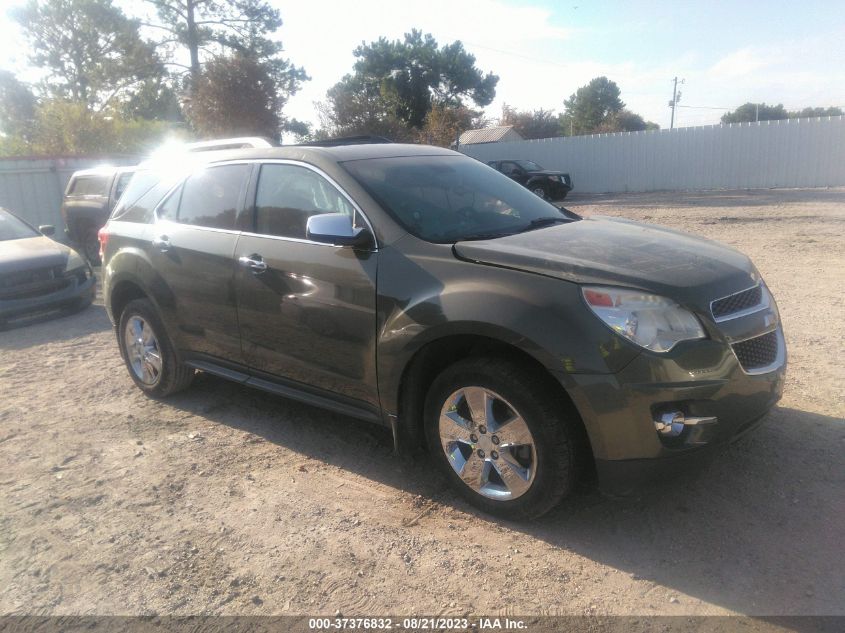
(225, 500)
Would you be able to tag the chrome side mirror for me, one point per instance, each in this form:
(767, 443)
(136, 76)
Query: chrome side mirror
(336, 228)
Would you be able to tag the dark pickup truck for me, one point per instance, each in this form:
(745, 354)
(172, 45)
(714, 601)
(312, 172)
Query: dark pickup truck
(549, 185)
(89, 199)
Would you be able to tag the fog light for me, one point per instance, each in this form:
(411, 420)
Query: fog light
(673, 423)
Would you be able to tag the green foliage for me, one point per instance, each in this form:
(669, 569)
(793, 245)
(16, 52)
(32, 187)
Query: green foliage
(92, 53)
(444, 124)
(68, 128)
(235, 96)
(532, 124)
(207, 28)
(396, 83)
(17, 106)
(755, 112)
(625, 121)
(807, 113)
(592, 106)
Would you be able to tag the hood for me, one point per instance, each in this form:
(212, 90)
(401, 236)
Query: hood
(31, 252)
(619, 252)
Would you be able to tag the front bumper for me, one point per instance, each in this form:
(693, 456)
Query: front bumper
(74, 294)
(558, 190)
(700, 379)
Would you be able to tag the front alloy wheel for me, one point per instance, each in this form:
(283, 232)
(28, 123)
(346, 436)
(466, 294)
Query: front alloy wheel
(500, 433)
(487, 443)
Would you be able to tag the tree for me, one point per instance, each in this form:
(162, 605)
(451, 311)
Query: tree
(807, 113)
(591, 105)
(17, 106)
(755, 112)
(354, 107)
(444, 124)
(91, 51)
(531, 124)
(398, 82)
(62, 127)
(233, 26)
(625, 121)
(235, 96)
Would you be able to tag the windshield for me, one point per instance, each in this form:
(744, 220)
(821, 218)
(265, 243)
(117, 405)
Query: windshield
(529, 165)
(11, 228)
(452, 198)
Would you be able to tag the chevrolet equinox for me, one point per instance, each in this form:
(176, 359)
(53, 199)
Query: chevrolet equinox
(418, 288)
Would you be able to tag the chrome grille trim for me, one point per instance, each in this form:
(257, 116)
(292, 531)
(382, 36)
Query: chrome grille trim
(763, 304)
(780, 355)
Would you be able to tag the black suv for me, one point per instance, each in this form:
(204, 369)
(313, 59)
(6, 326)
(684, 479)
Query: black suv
(551, 185)
(415, 287)
(89, 198)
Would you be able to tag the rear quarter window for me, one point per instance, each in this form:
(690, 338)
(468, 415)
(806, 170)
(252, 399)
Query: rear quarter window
(143, 192)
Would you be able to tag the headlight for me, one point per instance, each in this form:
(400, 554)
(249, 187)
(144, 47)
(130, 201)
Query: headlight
(650, 321)
(75, 263)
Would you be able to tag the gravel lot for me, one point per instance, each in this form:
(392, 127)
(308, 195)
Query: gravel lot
(224, 500)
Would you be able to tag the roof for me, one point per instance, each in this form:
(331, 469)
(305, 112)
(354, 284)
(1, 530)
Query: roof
(489, 135)
(104, 170)
(339, 153)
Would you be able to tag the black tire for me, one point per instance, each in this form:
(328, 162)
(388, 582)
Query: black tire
(540, 191)
(89, 243)
(174, 376)
(551, 427)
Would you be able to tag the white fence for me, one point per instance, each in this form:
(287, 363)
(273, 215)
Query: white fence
(788, 153)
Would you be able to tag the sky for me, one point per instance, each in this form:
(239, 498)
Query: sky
(726, 52)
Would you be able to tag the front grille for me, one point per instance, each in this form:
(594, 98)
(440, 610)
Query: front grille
(757, 352)
(737, 302)
(23, 284)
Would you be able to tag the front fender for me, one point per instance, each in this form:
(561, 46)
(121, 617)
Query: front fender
(423, 298)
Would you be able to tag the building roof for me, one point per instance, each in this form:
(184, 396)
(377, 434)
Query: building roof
(489, 135)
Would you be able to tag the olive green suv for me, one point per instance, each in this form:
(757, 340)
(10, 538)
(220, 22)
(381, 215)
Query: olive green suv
(417, 288)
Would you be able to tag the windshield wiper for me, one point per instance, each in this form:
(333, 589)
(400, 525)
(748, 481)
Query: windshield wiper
(538, 223)
(482, 236)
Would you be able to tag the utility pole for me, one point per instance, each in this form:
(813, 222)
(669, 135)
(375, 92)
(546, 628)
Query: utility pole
(676, 96)
(756, 113)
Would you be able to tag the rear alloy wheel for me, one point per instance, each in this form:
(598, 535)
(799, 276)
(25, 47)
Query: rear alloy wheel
(147, 352)
(501, 437)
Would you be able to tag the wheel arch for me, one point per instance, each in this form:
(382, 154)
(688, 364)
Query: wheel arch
(436, 355)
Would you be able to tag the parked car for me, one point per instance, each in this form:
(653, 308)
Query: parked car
(415, 287)
(550, 185)
(37, 274)
(89, 198)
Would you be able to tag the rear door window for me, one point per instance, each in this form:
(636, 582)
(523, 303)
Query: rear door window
(213, 196)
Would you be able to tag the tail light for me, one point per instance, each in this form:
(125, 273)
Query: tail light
(103, 237)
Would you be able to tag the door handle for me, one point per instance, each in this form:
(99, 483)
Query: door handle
(253, 262)
(162, 243)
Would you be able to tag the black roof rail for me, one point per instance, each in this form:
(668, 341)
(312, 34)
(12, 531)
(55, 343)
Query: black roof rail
(361, 139)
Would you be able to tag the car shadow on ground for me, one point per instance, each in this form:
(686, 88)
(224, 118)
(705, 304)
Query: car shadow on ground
(758, 531)
(51, 327)
(705, 199)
